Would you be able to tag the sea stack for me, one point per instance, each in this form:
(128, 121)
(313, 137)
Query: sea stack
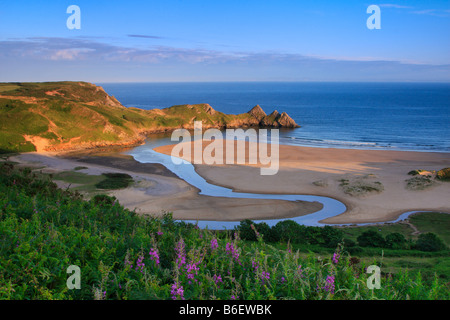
(273, 120)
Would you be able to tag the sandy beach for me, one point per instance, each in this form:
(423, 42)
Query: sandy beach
(371, 183)
(156, 190)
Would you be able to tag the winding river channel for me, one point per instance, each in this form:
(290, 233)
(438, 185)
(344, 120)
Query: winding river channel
(186, 171)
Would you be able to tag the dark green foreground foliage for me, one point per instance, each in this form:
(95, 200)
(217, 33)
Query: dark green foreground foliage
(44, 230)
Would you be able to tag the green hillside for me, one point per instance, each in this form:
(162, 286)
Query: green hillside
(55, 116)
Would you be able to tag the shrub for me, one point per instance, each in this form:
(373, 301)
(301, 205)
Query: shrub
(443, 174)
(245, 230)
(429, 242)
(331, 236)
(115, 181)
(349, 243)
(288, 230)
(395, 241)
(371, 238)
(102, 199)
(415, 172)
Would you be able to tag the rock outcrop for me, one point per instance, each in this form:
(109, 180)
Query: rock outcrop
(274, 120)
(257, 112)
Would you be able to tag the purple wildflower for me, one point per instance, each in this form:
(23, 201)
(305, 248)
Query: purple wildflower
(329, 285)
(265, 276)
(230, 249)
(192, 271)
(214, 244)
(177, 292)
(181, 254)
(300, 272)
(336, 257)
(128, 262)
(139, 264)
(154, 255)
(217, 279)
(255, 265)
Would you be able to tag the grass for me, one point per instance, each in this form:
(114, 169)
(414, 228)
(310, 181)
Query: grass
(124, 256)
(438, 223)
(419, 183)
(79, 112)
(115, 181)
(443, 174)
(360, 186)
(8, 87)
(93, 183)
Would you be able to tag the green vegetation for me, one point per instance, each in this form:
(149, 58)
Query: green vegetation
(70, 114)
(419, 183)
(80, 168)
(126, 256)
(438, 223)
(92, 183)
(416, 172)
(364, 237)
(443, 174)
(361, 186)
(423, 179)
(115, 181)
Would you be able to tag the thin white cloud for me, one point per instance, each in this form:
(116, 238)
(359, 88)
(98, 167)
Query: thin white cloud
(414, 10)
(392, 5)
(95, 59)
(432, 12)
(69, 54)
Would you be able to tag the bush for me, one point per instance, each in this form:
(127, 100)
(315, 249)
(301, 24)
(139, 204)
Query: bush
(443, 174)
(331, 236)
(115, 181)
(102, 199)
(430, 242)
(349, 243)
(245, 230)
(371, 238)
(395, 241)
(288, 230)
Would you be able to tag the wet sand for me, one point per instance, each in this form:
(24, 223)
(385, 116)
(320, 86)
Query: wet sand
(157, 190)
(371, 183)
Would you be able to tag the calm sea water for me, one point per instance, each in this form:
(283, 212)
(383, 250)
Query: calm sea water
(397, 116)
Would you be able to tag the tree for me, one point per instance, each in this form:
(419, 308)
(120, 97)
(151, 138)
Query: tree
(430, 242)
(332, 236)
(288, 230)
(395, 241)
(371, 238)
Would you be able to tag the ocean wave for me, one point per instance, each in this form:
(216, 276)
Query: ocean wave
(327, 143)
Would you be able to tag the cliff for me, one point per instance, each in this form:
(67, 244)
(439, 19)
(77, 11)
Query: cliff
(56, 116)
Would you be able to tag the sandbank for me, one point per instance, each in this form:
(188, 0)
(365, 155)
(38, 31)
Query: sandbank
(347, 175)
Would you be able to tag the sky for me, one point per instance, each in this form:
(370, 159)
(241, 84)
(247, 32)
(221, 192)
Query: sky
(216, 40)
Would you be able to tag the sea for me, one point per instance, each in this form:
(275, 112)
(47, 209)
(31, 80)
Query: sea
(385, 116)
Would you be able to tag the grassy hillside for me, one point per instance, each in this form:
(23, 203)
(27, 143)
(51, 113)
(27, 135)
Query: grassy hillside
(125, 256)
(75, 115)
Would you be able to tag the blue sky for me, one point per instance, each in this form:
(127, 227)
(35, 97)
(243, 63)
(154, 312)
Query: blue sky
(193, 40)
